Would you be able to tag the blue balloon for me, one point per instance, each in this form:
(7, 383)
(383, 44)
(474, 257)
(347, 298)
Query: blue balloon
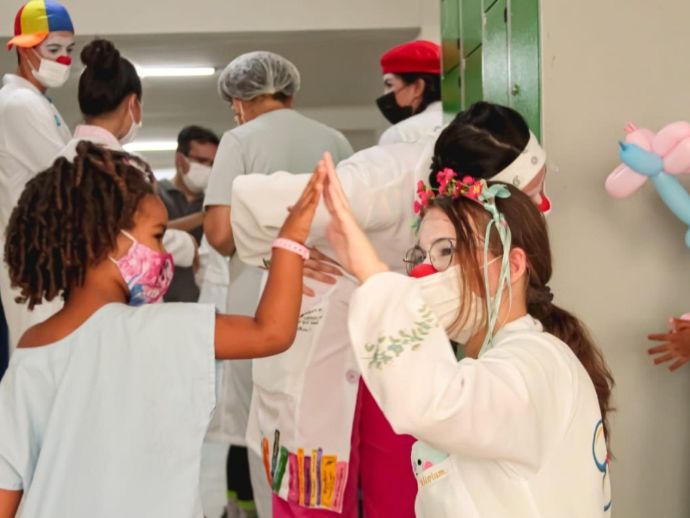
(643, 162)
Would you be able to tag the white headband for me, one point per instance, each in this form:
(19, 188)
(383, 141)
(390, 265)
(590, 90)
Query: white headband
(525, 167)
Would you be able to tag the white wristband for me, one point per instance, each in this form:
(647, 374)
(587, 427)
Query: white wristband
(292, 246)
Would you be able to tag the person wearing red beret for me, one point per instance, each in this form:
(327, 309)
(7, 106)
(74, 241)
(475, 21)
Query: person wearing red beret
(412, 91)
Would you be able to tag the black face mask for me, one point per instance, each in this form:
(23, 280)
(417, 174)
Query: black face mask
(391, 110)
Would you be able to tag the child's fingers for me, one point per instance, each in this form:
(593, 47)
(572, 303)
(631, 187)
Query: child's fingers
(663, 359)
(659, 349)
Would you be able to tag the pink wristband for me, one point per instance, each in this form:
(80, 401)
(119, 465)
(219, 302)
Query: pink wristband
(292, 246)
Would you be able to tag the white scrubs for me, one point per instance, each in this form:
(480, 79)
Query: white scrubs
(515, 433)
(278, 140)
(32, 132)
(416, 127)
(110, 420)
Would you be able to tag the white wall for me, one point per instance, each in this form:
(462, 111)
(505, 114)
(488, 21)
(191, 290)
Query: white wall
(175, 16)
(622, 265)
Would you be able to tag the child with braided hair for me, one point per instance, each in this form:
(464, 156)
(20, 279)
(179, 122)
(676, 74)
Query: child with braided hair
(105, 404)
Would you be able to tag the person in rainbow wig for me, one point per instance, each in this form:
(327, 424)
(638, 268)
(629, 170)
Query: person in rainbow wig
(32, 131)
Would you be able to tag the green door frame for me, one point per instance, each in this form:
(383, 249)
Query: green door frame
(491, 51)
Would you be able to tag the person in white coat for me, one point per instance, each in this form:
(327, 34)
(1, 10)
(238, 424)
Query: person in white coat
(270, 136)
(519, 426)
(32, 131)
(289, 397)
(412, 91)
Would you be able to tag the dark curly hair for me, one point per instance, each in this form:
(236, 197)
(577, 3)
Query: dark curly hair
(68, 219)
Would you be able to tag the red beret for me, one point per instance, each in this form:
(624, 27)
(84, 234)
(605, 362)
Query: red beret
(422, 57)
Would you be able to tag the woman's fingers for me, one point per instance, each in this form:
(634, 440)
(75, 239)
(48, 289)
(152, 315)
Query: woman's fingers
(665, 337)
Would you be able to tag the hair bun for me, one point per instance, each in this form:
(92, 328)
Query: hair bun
(101, 57)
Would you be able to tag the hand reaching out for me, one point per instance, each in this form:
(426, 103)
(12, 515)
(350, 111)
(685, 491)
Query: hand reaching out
(676, 346)
(354, 250)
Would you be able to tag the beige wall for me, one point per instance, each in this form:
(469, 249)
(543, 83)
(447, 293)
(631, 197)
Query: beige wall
(622, 265)
(176, 16)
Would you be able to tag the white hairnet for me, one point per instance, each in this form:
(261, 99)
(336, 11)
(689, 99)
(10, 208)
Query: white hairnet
(258, 73)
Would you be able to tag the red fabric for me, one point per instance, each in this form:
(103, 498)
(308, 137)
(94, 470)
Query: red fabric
(380, 464)
(422, 57)
(18, 21)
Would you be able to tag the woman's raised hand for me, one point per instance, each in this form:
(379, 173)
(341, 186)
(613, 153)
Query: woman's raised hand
(354, 250)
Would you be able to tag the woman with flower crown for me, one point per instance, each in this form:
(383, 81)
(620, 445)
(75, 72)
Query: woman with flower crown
(519, 426)
(310, 405)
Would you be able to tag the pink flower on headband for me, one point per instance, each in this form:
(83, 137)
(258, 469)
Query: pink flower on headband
(443, 178)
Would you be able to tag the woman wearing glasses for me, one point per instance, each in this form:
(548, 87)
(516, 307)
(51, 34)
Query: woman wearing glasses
(324, 410)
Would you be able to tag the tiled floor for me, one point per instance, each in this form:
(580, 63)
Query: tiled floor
(213, 492)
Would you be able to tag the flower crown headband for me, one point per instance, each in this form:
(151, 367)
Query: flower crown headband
(479, 191)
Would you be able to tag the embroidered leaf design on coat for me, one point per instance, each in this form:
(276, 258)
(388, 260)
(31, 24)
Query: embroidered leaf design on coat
(389, 347)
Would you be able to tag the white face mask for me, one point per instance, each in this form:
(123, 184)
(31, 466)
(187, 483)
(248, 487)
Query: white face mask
(50, 74)
(197, 177)
(441, 291)
(133, 129)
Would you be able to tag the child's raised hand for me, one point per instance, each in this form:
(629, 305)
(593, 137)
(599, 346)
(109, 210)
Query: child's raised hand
(355, 251)
(676, 346)
(298, 223)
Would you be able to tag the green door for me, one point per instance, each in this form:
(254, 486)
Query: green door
(495, 74)
(491, 51)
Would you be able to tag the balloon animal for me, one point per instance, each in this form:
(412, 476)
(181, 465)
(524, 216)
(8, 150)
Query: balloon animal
(659, 157)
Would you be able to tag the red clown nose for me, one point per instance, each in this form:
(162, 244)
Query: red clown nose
(64, 60)
(422, 270)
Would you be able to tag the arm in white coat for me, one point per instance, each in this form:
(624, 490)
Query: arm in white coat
(32, 140)
(182, 247)
(379, 182)
(476, 408)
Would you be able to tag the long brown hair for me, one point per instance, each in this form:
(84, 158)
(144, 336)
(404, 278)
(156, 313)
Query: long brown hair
(529, 233)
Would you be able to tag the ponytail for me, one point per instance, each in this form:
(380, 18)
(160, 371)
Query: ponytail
(568, 328)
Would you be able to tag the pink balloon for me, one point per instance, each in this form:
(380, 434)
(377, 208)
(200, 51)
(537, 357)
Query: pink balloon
(677, 161)
(669, 137)
(623, 182)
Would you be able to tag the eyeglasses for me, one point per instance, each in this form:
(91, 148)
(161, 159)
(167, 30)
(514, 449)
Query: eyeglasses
(441, 253)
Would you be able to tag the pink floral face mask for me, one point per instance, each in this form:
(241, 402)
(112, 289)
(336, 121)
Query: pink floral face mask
(148, 273)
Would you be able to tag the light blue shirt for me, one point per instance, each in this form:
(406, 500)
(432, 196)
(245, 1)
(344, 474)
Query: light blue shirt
(110, 420)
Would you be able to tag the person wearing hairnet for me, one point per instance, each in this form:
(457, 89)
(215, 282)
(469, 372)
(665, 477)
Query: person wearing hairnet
(32, 131)
(270, 136)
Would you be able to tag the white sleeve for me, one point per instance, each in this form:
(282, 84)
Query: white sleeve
(480, 408)
(20, 411)
(181, 245)
(31, 139)
(379, 182)
(390, 136)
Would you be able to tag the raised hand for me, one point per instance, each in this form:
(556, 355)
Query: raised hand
(298, 223)
(354, 250)
(676, 346)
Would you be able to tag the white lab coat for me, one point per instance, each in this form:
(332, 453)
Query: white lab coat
(309, 393)
(32, 131)
(416, 127)
(520, 427)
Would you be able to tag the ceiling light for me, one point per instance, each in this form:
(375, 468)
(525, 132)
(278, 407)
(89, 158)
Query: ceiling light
(175, 71)
(152, 145)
